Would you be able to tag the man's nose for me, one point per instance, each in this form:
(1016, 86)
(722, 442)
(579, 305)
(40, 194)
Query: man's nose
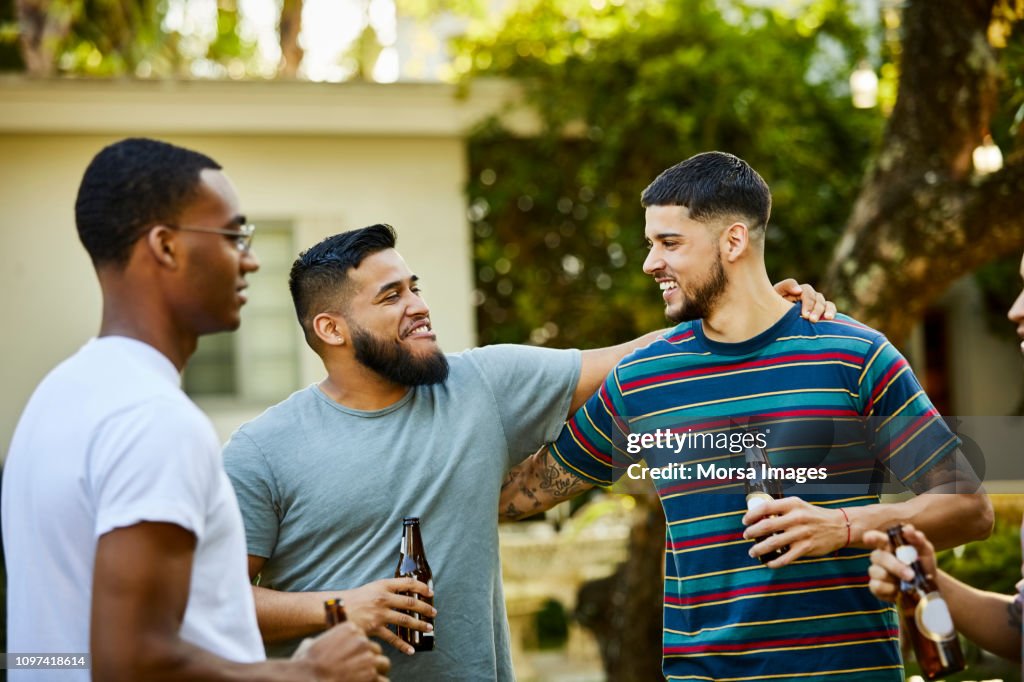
(1016, 313)
(250, 263)
(653, 263)
(418, 307)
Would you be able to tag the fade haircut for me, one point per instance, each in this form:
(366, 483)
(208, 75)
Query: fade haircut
(130, 186)
(714, 185)
(319, 276)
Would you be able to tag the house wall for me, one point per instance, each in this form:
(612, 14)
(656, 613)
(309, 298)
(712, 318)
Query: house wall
(319, 158)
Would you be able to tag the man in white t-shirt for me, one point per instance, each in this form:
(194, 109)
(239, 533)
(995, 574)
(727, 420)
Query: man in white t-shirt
(989, 619)
(122, 534)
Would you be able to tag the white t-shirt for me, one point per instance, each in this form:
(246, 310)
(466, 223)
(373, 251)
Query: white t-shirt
(109, 440)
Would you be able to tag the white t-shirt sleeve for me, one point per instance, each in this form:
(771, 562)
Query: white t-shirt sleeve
(155, 462)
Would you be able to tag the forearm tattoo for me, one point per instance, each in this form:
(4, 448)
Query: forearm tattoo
(536, 485)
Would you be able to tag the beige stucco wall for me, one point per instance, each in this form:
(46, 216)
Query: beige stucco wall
(310, 155)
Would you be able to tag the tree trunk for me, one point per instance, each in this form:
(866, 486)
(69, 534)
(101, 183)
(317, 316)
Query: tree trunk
(922, 219)
(290, 27)
(624, 610)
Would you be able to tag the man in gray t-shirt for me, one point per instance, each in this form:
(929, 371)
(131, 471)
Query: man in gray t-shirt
(323, 490)
(396, 429)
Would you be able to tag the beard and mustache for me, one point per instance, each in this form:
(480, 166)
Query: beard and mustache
(700, 303)
(396, 364)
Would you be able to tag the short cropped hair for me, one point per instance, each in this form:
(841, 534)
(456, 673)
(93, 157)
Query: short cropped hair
(130, 186)
(319, 276)
(713, 185)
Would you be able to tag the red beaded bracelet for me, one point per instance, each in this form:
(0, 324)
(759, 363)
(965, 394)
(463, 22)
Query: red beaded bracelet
(848, 532)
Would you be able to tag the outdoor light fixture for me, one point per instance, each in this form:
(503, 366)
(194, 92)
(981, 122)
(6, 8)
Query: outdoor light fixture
(987, 157)
(864, 86)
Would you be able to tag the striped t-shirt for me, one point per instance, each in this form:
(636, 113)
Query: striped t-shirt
(809, 389)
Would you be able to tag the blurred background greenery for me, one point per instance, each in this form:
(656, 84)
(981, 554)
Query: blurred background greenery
(625, 88)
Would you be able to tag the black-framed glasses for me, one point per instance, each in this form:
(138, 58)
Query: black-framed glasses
(242, 237)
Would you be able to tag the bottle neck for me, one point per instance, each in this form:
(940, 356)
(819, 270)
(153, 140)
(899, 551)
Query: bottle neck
(412, 542)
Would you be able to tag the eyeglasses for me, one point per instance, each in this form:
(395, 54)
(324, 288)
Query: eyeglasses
(242, 237)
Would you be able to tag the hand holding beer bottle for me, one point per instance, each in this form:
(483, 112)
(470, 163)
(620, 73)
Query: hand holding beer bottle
(761, 489)
(382, 605)
(907, 576)
(412, 563)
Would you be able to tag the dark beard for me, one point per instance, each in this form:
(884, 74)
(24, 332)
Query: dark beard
(391, 361)
(699, 305)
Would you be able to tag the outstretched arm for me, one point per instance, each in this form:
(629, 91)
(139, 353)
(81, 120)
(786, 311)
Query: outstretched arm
(536, 485)
(990, 620)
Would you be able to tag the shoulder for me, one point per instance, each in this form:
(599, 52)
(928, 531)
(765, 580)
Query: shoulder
(848, 326)
(113, 384)
(844, 334)
(277, 423)
(676, 343)
(506, 358)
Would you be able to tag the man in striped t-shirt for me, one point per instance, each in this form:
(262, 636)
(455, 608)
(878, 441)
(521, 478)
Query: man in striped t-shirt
(833, 399)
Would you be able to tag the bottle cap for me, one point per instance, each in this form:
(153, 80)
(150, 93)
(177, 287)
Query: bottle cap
(411, 519)
(755, 501)
(906, 553)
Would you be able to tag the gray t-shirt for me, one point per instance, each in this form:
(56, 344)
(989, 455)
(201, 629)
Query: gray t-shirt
(323, 490)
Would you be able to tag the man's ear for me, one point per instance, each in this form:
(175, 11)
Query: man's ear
(162, 246)
(735, 241)
(331, 329)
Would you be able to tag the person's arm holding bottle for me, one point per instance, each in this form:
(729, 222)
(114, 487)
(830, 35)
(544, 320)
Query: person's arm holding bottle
(990, 620)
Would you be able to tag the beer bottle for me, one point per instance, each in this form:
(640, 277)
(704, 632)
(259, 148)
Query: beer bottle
(412, 563)
(760, 489)
(926, 618)
(335, 612)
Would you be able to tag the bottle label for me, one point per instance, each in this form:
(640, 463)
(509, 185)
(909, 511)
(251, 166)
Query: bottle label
(907, 554)
(933, 618)
(755, 500)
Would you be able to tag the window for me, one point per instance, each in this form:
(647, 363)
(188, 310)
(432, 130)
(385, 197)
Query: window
(260, 362)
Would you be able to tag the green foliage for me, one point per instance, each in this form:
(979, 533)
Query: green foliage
(552, 626)
(113, 38)
(229, 47)
(626, 89)
(994, 564)
(429, 9)
(1000, 283)
(10, 55)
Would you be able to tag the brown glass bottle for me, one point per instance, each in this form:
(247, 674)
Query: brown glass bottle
(412, 563)
(334, 611)
(761, 489)
(926, 619)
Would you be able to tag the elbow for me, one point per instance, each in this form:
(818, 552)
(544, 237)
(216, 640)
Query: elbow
(981, 517)
(146, 663)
